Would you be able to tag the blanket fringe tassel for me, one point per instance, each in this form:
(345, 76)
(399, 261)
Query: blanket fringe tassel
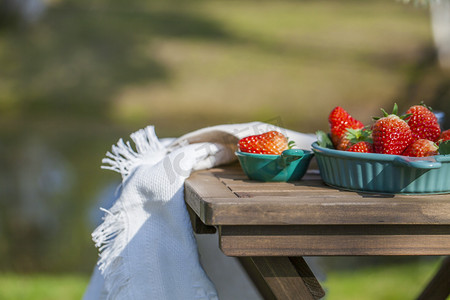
(110, 240)
(123, 158)
(110, 236)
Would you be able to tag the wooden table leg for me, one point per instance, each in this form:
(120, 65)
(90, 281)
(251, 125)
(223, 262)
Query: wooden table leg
(283, 277)
(439, 286)
(197, 225)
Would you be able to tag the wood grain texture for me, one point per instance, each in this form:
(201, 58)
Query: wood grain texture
(325, 240)
(283, 278)
(202, 187)
(256, 277)
(308, 277)
(225, 197)
(197, 225)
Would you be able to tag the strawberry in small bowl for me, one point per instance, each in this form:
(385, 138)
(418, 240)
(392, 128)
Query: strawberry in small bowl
(269, 157)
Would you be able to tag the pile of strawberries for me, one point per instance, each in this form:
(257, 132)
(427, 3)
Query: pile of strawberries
(416, 134)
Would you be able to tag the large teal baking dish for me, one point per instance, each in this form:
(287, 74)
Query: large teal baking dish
(291, 165)
(383, 173)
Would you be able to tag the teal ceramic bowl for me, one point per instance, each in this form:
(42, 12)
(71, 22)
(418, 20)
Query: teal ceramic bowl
(291, 165)
(383, 173)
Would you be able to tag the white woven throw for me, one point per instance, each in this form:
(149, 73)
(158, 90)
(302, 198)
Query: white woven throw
(146, 244)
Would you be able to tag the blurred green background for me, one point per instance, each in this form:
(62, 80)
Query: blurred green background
(76, 75)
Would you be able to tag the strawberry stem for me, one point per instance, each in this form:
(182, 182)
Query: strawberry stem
(394, 112)
(359, 135)
(405, 117)
(385, 114)
(426, 106)
(395, 109)
(291, 144)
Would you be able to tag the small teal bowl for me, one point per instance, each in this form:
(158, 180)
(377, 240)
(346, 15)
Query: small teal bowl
(291, 165)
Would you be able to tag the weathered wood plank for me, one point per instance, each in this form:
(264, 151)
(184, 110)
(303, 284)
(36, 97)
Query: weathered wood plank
(279, 278)
(197, 225)
(334, 240)
(201, 186)
(270, 187)
(220, 199)
(256, 277)
(237, 180)
(316, 209)
(275, 193)
(308, 277)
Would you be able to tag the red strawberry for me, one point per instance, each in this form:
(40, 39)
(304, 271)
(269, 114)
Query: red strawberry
(354, 136)
(423, 123)
(343, 143)
(337, 115)
(363, 147)
(340, 120)
(445, 135)
(391, 134)
(421, 148)
(272, 142)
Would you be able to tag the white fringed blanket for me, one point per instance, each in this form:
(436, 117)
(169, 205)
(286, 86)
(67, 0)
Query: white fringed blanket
(146, 244)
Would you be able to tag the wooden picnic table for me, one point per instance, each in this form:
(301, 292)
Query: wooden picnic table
(270, 226)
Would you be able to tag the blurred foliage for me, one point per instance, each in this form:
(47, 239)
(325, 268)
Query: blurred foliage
(89, 72)
(383, 282)
(42, 287)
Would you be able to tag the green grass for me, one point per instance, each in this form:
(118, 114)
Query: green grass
(42, 287)
(393, 282)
